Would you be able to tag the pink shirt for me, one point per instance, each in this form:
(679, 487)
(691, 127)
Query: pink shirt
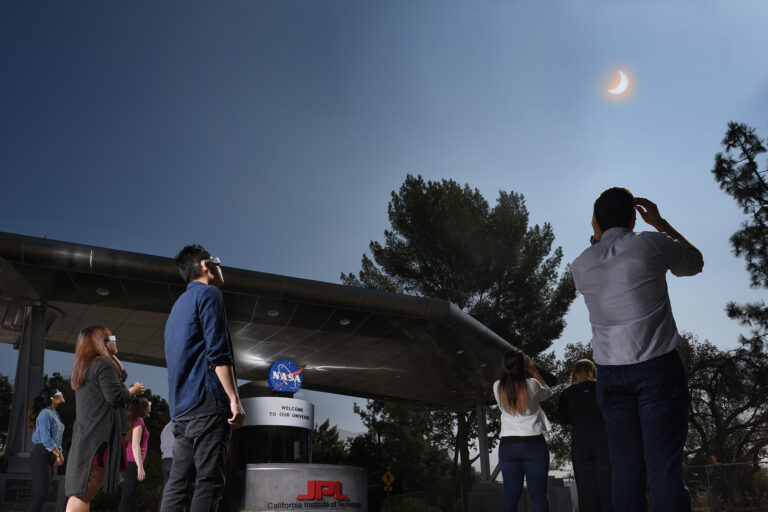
(144, 438)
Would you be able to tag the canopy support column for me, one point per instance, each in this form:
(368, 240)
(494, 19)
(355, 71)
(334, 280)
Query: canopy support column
(27, 385)
(482, 438)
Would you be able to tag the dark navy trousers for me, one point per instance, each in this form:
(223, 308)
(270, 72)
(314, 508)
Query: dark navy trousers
(645, 406)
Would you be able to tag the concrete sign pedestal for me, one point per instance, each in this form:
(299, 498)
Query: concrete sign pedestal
(291, 487)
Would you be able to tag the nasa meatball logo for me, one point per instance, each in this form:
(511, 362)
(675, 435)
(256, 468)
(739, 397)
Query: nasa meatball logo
(285, 376)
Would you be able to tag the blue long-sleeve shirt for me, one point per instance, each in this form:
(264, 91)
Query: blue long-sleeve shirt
(197, 340)
(49, 430)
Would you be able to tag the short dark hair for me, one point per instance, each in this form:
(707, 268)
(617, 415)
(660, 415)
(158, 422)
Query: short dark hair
(615, 208)
(188, 261)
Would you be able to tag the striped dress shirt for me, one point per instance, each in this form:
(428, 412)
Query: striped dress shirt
(623, 281)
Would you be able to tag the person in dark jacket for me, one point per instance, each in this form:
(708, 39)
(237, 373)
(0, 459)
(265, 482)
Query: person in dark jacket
(100, 400)
(589, 442)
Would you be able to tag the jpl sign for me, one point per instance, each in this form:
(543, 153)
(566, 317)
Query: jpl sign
(317, 489)
(291, 487)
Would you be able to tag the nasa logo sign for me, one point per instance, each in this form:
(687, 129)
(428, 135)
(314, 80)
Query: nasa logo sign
(285, 376)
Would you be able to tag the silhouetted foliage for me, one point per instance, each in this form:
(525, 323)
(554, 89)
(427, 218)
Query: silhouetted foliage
(395, 442)
(729, 403)
(327, 448)
(738, 173)
(446, 242)
(728, 422)
(6, 401)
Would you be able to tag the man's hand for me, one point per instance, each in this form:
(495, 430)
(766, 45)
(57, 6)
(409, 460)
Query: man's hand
(238, 414)
(648, 211)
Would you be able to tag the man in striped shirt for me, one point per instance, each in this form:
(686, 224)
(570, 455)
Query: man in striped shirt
(642, 387)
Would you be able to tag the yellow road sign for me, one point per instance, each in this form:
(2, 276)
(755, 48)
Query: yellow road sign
(388, 488)
(388, 478)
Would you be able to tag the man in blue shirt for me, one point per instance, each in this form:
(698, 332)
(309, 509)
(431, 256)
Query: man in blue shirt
(203, 398)
(642, 387)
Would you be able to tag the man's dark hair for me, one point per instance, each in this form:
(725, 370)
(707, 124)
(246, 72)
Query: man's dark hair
(615, 208)
(188, 262)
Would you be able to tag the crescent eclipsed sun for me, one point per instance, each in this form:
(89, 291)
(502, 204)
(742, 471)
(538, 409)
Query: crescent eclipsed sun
(623, 84)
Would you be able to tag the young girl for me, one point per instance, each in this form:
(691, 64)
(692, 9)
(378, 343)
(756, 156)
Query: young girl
(135, 450)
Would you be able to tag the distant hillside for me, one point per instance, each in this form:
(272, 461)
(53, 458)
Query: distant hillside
(346, 435)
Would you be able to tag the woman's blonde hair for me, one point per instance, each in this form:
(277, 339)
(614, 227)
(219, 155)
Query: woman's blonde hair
(583, 370)
(513, 387)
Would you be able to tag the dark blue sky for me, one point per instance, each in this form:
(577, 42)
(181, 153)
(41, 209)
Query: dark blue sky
(273, 132)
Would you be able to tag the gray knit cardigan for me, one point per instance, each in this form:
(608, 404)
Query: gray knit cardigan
(100, 418)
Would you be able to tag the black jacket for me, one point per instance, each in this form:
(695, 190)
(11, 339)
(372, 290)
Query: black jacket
(578, 407)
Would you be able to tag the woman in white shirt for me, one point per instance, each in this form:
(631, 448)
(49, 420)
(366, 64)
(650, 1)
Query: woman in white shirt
(522, 448)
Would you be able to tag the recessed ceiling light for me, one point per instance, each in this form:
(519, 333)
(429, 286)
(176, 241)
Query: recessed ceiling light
(459, 352)
(102, 291)
(344, 321)
(273, 313)
(483, 365)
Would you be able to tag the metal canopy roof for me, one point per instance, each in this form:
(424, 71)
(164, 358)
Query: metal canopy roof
(354, 341)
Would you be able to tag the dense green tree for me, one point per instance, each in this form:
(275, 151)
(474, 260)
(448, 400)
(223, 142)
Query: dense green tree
(738, 173)
(728, 422)
(729, 403)
(395, 442)
(327, 448)
(445, 241)
(6, 400)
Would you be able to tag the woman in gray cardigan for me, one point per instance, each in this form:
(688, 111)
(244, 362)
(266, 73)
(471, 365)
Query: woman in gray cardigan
(100, 401)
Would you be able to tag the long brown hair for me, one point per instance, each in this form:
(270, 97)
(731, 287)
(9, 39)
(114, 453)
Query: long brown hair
(41, 401)
(91, 346)
(137, 409)
(583, 370)
(513, 388)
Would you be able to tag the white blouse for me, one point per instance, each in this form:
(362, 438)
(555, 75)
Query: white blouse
(533, 421)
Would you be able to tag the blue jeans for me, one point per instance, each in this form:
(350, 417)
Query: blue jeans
(645, 406)
(529, 458)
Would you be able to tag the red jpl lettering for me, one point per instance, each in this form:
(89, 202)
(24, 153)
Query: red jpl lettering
(317, 489)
